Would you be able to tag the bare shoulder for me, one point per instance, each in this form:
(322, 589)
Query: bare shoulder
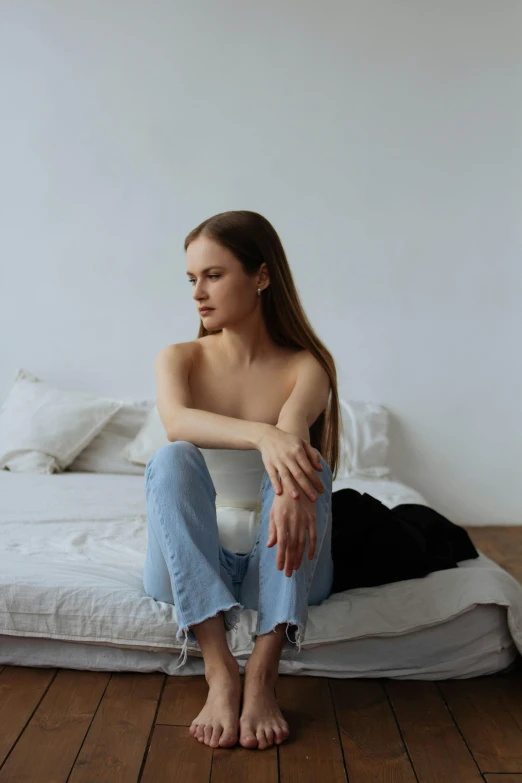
(302, 366)
(306, 361)
(305, 356)
(178, 351)
(311, 376)
(175, 360)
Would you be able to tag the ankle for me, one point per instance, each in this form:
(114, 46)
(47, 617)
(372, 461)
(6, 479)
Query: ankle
(220, 668)
(261, 672)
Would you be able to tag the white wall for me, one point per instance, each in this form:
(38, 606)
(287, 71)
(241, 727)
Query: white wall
(382, 139)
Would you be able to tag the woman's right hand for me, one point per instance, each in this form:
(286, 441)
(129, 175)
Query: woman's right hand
(294, 459)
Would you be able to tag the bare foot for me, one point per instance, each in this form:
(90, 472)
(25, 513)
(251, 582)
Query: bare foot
(217, 723)
(261, 722)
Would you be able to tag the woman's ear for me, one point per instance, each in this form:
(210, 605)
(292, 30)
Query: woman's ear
(263, 279)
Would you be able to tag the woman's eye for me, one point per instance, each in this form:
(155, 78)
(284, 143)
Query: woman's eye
(193, 281)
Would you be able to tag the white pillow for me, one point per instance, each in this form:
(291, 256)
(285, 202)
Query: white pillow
(104, 453)
(364, 445)
(149, 439)
(43, 428)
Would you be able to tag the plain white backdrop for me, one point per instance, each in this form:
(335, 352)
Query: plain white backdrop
(383, 140)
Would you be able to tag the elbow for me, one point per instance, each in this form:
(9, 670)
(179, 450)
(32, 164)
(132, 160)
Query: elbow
(170, 420)
(169, 432)
(172, 434)
(172, 429)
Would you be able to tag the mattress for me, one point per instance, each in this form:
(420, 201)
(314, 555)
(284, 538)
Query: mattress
(72, 550)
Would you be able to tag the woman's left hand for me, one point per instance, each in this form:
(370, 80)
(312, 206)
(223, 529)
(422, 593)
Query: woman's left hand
(290, 519)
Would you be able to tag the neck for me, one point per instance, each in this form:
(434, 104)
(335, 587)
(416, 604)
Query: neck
(245, 343)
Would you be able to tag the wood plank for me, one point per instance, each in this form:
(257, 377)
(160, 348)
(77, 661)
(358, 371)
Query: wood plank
(117, 739)
(182, 700)
(21, 689)
(372, 745)
(244, 764)
(313, 750)
(488, 711)
(503, 778)
(503, 544)
(50, 743)
(436, 748)
(175, 755)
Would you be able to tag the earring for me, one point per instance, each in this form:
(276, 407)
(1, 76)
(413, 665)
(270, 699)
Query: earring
(259, 292)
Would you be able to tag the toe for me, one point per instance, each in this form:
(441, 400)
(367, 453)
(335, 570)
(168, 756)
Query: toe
(269, 733)
(216, 734)
(261, 739)
(200, 732)
(193, 728)
(207, 734)
(248, 738)
(281, 732)
(228, 737)
(278, 735)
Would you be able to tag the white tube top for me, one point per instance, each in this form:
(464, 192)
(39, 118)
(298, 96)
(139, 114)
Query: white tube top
(237, 475)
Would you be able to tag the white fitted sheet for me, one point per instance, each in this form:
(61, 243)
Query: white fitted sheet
(473, 644)
(72, 549)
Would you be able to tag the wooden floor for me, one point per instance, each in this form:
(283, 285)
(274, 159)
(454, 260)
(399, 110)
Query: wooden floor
(60, 725)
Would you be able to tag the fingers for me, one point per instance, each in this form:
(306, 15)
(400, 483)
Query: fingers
(301, 472)
(272, 532)
(288, 482)
(290, 555)
(301, 543)
(306, 463)
(313, 455)
(310, 471)
(274, 480)
(312, 542)
(291, 548)
(287, 479)
(289, 528)
(281, 549)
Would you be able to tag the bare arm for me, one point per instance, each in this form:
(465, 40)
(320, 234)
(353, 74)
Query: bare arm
(308, 399)
(183, 422)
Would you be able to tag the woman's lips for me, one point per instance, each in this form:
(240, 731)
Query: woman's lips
(206, 311)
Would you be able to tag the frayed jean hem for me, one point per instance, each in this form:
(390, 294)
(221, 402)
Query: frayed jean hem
(294, 633)
(231, 615)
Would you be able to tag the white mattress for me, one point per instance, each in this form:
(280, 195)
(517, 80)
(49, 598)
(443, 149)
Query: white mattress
(72, 549)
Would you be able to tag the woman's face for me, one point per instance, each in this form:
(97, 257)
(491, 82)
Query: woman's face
(218, 280)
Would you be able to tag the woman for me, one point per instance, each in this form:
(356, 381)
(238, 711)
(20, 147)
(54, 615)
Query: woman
(256, 392)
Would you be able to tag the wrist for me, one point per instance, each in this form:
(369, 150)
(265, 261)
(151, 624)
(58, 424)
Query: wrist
(259, 431)
(294, 424)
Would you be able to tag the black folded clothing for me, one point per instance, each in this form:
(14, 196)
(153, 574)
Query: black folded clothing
(375, 545)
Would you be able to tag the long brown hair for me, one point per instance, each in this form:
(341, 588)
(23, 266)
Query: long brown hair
(253, 240)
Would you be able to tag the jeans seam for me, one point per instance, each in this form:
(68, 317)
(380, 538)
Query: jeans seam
(177, 602)
(328, 522)
(258, 510)
(318, 553)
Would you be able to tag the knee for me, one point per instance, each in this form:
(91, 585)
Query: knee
(172, 456)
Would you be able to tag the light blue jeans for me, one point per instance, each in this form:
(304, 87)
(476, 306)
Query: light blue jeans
(186, 566)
